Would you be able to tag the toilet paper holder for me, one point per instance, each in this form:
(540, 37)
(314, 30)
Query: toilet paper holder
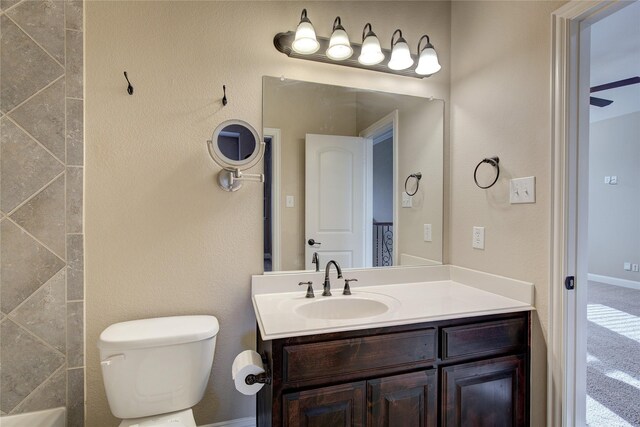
(263, 378)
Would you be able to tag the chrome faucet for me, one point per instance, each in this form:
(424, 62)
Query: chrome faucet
(327, 282)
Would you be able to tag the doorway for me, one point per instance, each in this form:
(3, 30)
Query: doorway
(593, 325)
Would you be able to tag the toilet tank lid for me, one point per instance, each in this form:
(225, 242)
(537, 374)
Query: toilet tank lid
(159, 331)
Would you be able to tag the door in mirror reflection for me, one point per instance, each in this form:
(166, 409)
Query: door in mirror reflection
(338, 199)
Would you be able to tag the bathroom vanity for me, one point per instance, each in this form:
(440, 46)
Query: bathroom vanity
(444, 354)
(456, 371)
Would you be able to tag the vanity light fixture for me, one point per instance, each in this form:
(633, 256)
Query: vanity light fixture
(339, 46)
(338, 50)
(370, 53)
(428, 59)
(400, 54)
(305, 42)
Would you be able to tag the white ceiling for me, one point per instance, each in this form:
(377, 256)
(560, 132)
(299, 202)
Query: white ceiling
(615, 55)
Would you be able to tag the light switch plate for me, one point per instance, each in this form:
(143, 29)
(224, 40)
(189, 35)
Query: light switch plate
(607, 180)
(614, 180)
(407, 200)
(522, 190)
(427, 233)
(478, 238)
(290, 202)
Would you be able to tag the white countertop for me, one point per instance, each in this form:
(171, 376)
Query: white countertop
(415, 302)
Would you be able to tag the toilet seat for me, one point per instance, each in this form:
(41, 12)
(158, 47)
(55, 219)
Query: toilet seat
(174, 419)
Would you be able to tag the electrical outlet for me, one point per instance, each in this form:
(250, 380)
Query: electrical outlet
(427, 233)
(407, 200)
(523, 190)
(478, 238)
(627, 266)
(607, 179)
(634, 267)
(290, 202)
(614, 180)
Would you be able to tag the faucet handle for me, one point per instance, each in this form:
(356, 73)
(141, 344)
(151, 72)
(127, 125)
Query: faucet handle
(309, 289)
(347, 289)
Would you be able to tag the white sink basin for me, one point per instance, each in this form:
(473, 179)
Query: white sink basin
(342, 307)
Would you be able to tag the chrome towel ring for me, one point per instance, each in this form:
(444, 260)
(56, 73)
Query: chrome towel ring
(493, 161)
(418, 177)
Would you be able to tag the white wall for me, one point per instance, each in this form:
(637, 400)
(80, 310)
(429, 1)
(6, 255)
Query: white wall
(500, 105)
(614, 210)
(161, 237)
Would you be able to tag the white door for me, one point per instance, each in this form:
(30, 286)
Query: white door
(336, 206)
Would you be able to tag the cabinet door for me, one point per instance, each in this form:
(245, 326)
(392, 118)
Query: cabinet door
(336, 406)
(407, 400)
(488, 393)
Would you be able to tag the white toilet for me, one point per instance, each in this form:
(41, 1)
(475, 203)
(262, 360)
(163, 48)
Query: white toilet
(155, 370)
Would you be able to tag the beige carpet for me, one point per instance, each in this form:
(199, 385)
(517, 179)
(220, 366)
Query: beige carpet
(613, 360)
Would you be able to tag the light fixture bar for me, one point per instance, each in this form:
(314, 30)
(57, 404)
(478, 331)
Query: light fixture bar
(282, 42)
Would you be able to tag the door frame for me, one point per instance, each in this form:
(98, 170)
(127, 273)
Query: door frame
(391, 119)
(276, 165)
(569, 158)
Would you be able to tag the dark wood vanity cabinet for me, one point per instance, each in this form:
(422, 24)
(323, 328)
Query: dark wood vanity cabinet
(463, 372)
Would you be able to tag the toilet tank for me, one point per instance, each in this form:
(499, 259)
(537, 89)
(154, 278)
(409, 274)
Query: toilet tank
(155, 366)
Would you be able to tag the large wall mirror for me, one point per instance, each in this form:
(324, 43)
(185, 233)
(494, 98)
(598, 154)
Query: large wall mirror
(340, 165)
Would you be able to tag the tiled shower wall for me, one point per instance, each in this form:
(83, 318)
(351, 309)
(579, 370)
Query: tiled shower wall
(41, 230)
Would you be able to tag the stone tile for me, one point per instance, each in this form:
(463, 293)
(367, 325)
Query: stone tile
(73, 13)
(74, 199)
(26, 68)
(43, 117)
(75, 136)
(75, 334)
(44, 216)
(75, 267)
(6, 4)
(74, 64)
(51, 394)
(25, 265)
(45, 312)
(25, 166)
(75, 400)
(43, 20)
(26, 363)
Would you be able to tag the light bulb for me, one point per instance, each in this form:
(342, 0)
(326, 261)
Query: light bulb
(339, 47)
(400, 55)
(370, 53)
(305, 42)
(428, 62)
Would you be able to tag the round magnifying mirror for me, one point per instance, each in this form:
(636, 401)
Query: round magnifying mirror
(235, 145)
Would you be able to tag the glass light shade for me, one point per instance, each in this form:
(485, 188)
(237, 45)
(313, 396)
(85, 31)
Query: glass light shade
(400, 56)
(339, 46)
(428, 63)
(371, 53)
(305, 42)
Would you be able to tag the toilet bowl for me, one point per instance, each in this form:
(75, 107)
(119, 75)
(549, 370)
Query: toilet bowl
(155, 370)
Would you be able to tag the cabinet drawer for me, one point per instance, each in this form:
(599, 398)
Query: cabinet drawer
(344, 358)
(483, 339)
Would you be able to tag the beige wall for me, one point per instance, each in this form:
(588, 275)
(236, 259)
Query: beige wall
(161, 238)
(298, 109)
(500, 98)
(614, 210)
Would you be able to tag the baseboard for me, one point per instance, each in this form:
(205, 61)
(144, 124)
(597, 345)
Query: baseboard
(240, 422)
(614, 281)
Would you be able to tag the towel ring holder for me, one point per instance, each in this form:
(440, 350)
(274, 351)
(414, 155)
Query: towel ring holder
(418, 177)
(493, 161)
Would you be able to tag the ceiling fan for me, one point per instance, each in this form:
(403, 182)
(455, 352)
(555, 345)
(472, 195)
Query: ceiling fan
(601, 102)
